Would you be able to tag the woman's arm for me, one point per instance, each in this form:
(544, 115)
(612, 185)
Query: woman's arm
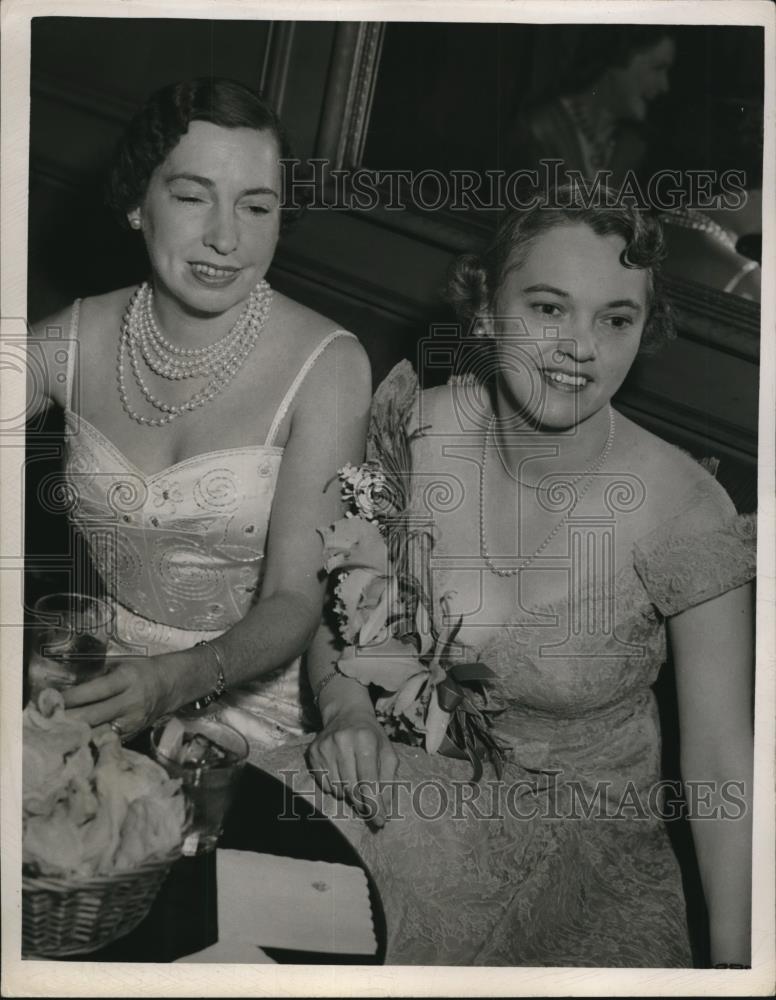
(48, 346)
(352, 746)
(712, 646)
(328, 429)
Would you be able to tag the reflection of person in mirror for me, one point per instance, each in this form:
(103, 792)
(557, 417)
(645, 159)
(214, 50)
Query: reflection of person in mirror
(197, 405)
(593, 122)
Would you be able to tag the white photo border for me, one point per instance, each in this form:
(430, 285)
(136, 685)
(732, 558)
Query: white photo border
(37, 978)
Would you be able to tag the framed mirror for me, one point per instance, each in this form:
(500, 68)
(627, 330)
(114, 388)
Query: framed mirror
(448, 120)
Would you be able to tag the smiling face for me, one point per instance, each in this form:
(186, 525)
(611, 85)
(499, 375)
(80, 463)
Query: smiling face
(211, 217)
(645, 77)
(567, 326)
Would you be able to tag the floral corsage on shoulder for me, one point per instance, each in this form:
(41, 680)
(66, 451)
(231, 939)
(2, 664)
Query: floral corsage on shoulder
(428, 689)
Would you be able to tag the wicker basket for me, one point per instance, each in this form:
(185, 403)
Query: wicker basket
(73, 916)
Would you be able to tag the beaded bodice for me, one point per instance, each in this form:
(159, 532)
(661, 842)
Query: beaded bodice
(184, 546)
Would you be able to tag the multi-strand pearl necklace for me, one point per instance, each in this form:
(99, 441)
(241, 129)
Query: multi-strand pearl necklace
(219, 362)
(588, 472)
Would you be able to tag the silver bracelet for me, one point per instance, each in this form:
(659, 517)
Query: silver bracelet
(220, 687)
(324, 683)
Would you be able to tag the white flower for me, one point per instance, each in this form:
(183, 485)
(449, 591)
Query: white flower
(362, 488)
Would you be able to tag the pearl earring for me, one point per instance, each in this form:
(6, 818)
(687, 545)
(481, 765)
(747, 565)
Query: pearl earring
(135, 222)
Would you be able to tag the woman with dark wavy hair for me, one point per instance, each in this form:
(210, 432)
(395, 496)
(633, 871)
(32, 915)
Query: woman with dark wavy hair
(573, 548)
(204, 415)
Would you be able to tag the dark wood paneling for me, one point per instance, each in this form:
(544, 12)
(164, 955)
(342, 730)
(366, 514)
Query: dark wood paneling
(125, 59)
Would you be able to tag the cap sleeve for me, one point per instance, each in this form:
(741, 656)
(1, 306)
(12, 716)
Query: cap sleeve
(393, 405)
(703, 551)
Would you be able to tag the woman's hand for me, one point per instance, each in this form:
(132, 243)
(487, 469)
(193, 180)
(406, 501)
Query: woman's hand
(353, 758)
(133, 695)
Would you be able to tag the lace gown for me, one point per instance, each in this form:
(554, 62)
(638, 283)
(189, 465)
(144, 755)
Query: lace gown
(567, 860)
(181, 551)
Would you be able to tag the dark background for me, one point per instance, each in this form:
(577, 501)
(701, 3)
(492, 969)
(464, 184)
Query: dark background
(447, 93)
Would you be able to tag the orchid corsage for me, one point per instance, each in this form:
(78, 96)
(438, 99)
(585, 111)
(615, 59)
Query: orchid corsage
(428, 689)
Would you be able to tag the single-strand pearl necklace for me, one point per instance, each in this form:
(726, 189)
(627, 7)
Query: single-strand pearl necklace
(220, 361)
(529, 486)
(588, 472)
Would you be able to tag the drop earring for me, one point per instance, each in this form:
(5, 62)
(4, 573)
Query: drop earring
(134, 221)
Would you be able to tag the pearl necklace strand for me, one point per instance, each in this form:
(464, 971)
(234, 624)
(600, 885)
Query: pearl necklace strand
(690, 218)
(529, 486)
(525, 563)
(174, 362)
(220, 361)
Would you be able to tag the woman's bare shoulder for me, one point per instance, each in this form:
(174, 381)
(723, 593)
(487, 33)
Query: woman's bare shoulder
(54, 326)
(335, 368)
(94, 308)
(673, 479)
(451, 409)
(304, 332)
(299, 320)
(105, 311)
(85, 322)
(46, 369)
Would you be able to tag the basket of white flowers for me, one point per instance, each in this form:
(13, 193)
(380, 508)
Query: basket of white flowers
(101, 827)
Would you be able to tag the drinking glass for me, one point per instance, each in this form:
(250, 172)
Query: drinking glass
(208, 756)
(69, 641)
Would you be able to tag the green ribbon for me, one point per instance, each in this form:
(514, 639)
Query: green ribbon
(448, 748)
(450, 691)
(450, 694)
(466, 672)
(452, 698)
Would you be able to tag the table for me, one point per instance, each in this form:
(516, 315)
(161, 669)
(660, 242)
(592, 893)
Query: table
(183, 919)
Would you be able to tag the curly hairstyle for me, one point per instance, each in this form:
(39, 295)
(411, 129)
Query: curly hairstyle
(474, 280)
(602, 47)
(159, 125)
